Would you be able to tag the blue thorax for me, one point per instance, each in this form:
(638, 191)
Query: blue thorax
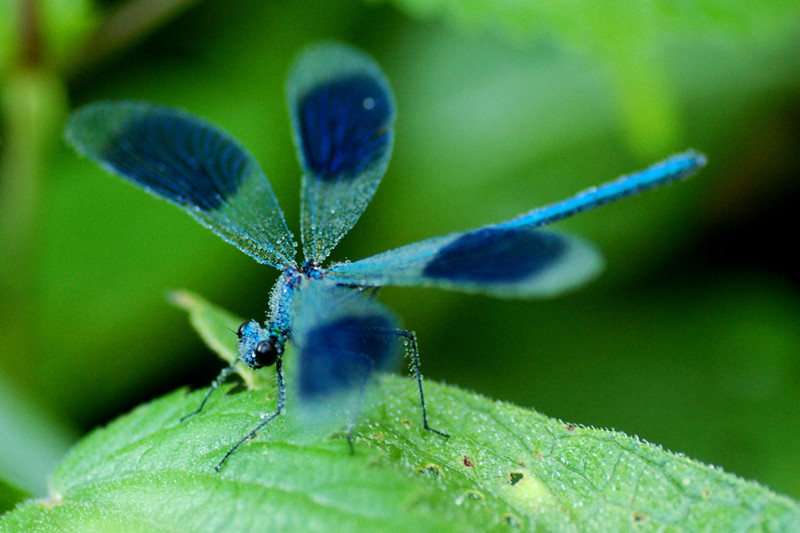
(261, 346)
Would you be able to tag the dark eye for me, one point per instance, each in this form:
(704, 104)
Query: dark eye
(265, 353)
(240, 333)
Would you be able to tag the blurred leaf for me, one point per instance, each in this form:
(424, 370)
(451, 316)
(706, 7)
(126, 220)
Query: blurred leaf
(34, 440)
(630, 39)
(217, 327)
(65, 25)
(502, 466)
(10, 496)
(213, 323)
(128, 22)
(596, 25)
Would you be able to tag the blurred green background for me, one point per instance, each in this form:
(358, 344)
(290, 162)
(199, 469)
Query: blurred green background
(690, 339)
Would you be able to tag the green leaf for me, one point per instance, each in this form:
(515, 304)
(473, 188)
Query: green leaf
(217, 327)
(10, 495)
(503, 467)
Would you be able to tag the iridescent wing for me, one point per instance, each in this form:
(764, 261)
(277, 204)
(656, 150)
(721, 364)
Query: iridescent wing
(191, 163)
(342, 337)
(505, 262)
(342, 114)
(515, 258)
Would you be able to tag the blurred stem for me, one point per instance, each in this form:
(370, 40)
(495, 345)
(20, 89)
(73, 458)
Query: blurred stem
(32, 105)
(30, 33)
(124, 26)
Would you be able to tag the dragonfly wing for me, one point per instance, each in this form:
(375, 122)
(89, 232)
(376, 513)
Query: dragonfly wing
(192, 164)
(342, 113)
(515, 258)
(504, 262)
(342, 337)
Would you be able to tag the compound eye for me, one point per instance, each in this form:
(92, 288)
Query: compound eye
(240, 333)
(265, 353)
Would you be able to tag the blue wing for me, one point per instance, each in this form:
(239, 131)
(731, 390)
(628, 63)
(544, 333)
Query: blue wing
(513, 259)
(342, 114)
(192, 164)
(342, 337)
(505, 262)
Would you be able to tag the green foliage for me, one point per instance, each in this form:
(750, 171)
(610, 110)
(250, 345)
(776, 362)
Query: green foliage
(502, 466)
(593, 25)
(630, 38)
(10, 496)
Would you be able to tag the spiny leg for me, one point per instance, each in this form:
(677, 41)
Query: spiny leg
(270, 418)
(216, 383)
(412, 339)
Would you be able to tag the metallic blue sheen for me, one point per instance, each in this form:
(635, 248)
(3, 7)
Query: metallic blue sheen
(342, 114)
(347, 351)
(496, 255)
(178, 158)
(676, 168)
(345, 127)
(191, 163)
